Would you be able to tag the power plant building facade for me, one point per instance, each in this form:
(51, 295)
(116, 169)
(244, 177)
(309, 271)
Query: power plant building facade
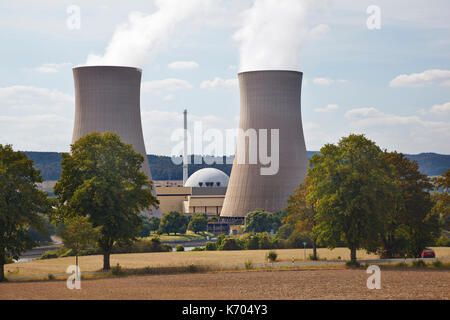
(107, 98)
(268, 100)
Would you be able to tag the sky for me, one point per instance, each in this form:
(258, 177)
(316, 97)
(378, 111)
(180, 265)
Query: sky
(388, 80)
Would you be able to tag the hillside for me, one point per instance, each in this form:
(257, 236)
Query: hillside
(431, 164)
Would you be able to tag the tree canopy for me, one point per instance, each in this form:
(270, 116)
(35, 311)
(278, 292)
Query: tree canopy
(198, 222)
(21, 204)
(102, 179)
(173, 222)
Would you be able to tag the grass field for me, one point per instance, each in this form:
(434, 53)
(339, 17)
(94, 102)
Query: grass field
(172, 259)
(298, 284)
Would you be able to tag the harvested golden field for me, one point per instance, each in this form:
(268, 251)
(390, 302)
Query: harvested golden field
(298, 284)
(170, 259)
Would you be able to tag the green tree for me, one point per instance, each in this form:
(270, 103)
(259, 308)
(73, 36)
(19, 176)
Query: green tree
(199, 222)
(102, 179)
(79, 234)
(173, 222)
(441, 196)
(350, 184)
(409, 225)
(301, 213)
(148, 225)
(20, 204)
(258, 221)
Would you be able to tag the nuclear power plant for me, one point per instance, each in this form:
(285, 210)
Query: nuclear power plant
(107, 98)
(269, 100)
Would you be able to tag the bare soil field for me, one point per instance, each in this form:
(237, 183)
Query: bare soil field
(299, 284)
(172, 259)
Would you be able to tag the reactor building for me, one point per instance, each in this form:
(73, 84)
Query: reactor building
(107, 98)
(269, 100)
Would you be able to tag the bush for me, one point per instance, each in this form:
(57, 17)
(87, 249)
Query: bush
(198, 249)
(179, 248)
(271, 256)
(219, 240)
(117, 270)
(443, 241)
(265, 241)
(437, 264)
(311, 257)
(230, 244)
(9, 260)
(143, 246)
(210, 246)
(51, 276)
(419, 264)
(49, 255)
(248, 265)
(284, 231)
(353, 264)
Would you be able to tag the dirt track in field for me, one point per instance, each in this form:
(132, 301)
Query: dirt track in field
(301, 284)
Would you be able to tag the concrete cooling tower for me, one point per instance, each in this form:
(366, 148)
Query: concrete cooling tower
(269, 100)
(107, 98)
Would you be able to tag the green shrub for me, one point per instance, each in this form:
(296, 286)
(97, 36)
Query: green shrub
(117, 270)
(143, 246)
(219, 240)
(68, 253)
(271, 256)
(198, 249)
(311, 257)
(353, 264)
(179, 248)
(265, 241)
(443, 241)
(419, 264)
(210, 246)
(49, 255)
(9, 260)
(230, 243)
(248, 265)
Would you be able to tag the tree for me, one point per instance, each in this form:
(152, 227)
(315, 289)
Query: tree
(350, 184)
(148, 225)
(441, 196)
(173, 222)
(102, 179)
(301, 213)
(79, 234)
(20, 204)
(258, 221)
(199, 222)
(409, 225)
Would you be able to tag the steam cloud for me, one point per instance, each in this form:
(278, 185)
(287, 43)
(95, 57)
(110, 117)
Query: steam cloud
(143, 36)
(272, 34)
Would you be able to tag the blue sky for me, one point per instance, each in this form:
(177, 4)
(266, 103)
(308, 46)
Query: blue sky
(392, 84)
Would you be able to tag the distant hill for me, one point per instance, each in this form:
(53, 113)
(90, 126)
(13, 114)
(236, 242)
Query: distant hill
(431, 164)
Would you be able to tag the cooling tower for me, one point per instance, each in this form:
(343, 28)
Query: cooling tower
(269, 100)
(107, 98)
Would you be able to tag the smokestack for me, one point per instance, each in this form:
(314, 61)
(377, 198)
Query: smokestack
(107, 98)
(269, 100)
(185, 156)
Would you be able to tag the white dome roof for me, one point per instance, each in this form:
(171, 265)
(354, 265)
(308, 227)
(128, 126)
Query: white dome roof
(207, 177)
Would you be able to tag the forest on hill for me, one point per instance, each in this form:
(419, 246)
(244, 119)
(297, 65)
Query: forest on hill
(162, 167)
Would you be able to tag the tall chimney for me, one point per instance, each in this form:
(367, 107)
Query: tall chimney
(269, 100)
(185, 155)
(107, 98)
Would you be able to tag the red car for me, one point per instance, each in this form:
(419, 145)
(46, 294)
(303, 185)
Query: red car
(428, 253)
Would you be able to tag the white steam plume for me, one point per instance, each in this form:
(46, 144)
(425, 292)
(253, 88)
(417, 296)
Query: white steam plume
(272, 34)
(143, 36)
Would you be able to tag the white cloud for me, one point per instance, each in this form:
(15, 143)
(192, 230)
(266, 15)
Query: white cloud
(165, 86)
(319, 31)
(328, 107)
(428, 77)
(441, 108)
(219, 83)
(183, 65)
(52, 67)
(31, 97)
